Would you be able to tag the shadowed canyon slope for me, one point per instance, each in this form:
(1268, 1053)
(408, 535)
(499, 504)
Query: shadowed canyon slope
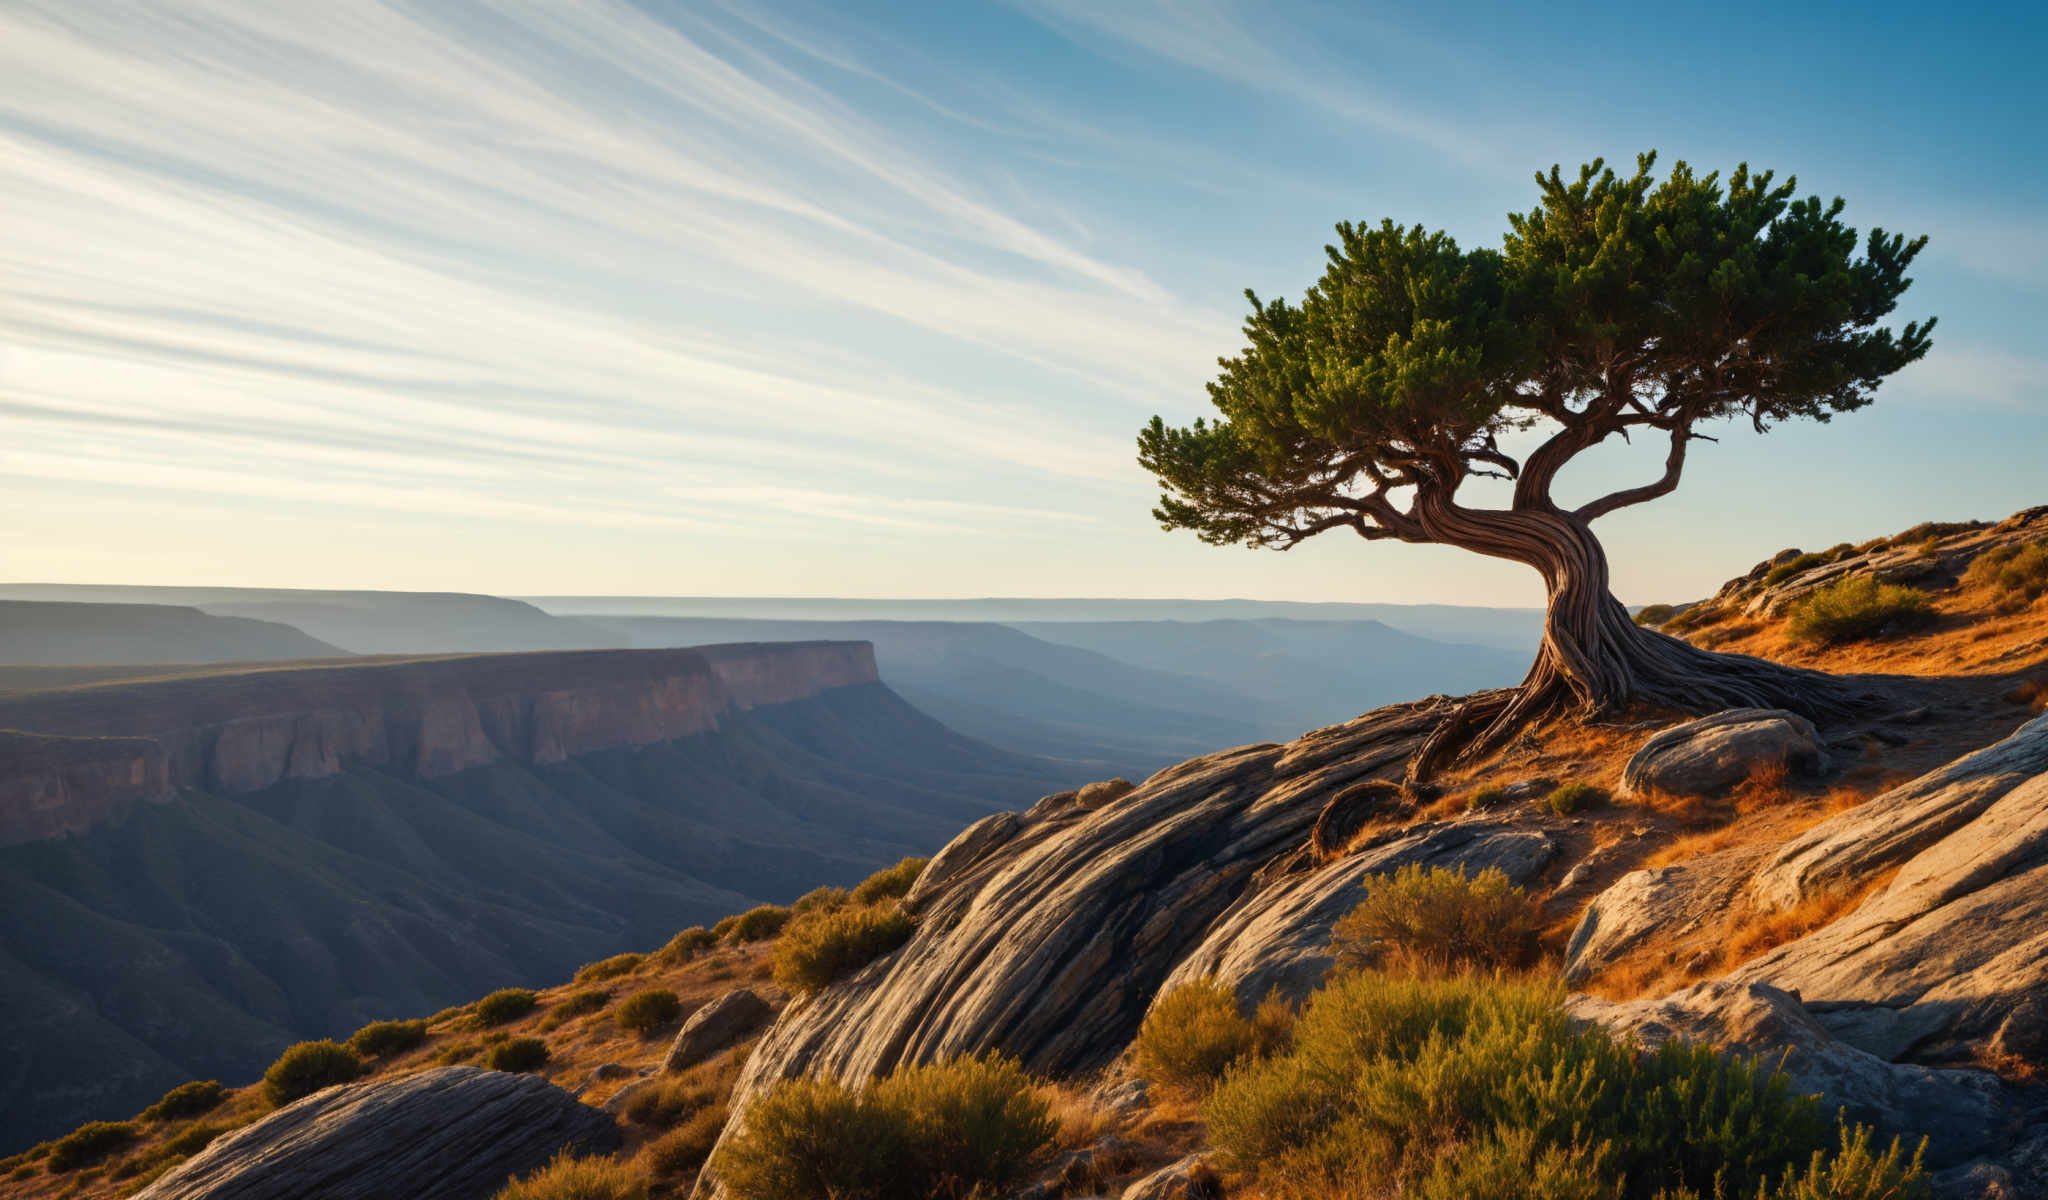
(205, 866)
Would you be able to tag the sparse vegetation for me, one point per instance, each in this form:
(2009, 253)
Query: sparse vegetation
(1436, 920)
(308, 1067)
(1859, 608)
(941, 1131)
(187, 1100)
(1655, 614)
(571, 1178)
(1797, 566)
(589, 1000)
(821, 899)
(1568, 798)
(684, 1148)
(754, 925)
(88, 1144)
(891, 883)
(518, 1055)
(505, 1004)
(645, 1013)
(823, 946)
(687, 945)
(2016, 574)
(1195, 1032)
(610, 968)
(382, 1039)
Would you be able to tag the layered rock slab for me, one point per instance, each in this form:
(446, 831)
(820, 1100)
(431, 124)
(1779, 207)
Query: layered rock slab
(456, 1133)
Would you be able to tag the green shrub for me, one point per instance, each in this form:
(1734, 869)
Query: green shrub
(823, 946)
(821, 899)
(1469, 1083)
(571, 1178)
(644, 1013)
(1786, 570)
(505, 1004)
(308, 1067)
(575, 1004)
(723, 930)
(1858, 608)
(187, 1100)
(1655, 614)
(1196, 1031)
(969, 1127)
(2017, 574)
(518, 1055)
(610, 968)
(757, 924)
(89, 1143)
(1568, 798)
(891, 883)
(1694, 617)
(456, 1052)
(1486, 796)
(382, 1039)
(1434, 919)
(687, 945)
(1855, 1172)
(193, 1138)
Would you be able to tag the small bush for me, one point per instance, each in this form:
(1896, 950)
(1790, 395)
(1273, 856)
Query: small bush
(610, 968)
(687, 945)
(518, 1055)
(187, 1100)
(571, 1178)
(505, 1004)
(1859, 608)
(1797, 566)
(1856, 1172)
(382, 1039)
(757, 924)
(1693, 618)
(456, 1052)
(1435, 919)
(892, 883)
(1195, 1032)
(1486, 797)
(193, 1138)
(821, 947)
(575, 1004)
(969, 1127)
(684, 1148)
(1568, 798)
(88, 1144)
(669, 1100)
(2016, 574)
(1655, 614)
(644, 1013)
(723, 930)
(308, 1067)
(822, 899)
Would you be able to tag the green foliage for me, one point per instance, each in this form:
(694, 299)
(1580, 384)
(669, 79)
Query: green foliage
(1856, 1172)
(1472, 1083)
(1859, 608)
(1655, 614)
(88, 1144)
(1796, 566)
(505, 1004)
(968, 1127)
(645, 1013)
(2017, 574)
(1434, 919)
(891, 883)
(823, 946)
(687, 945)
(518, 1055)
(756, 924)
(306, 1068)
(570, 1178)
(1411, 358)
(1568, 798)
(382, 1039)
(589, 1000)
(1195, 1032)
(456, 1052)
(187, 1100)
(610, 968)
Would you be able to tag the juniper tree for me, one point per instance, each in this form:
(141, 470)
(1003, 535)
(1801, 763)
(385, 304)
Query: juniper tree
(1619, 306)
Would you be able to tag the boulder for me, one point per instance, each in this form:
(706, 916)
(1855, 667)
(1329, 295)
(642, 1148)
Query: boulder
(1189, 1179)
(454, 1133)
(1961, 1112)
(716, 1026)
(1638, 905)
(1708, 756)
(968, 848)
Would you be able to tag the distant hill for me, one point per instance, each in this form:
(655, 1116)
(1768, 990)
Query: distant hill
(1009, 688)
(1508, 628)
(357, 622)
(43, 633)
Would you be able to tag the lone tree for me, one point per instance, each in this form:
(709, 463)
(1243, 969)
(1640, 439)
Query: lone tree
(1619, 305)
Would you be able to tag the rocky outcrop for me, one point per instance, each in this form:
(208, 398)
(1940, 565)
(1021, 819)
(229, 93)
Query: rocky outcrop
(1708, 756)
(51, 786)
(1931, 556)
(456, 1133)
(243, 730)
(716, 1026)
(1188, 1179)
(1962, 1113)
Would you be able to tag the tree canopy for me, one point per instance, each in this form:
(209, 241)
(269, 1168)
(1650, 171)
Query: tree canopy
(1618, 304)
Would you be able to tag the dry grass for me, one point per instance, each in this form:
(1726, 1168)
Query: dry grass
(2031, 694)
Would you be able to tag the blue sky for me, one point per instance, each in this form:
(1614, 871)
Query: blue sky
(792, 299)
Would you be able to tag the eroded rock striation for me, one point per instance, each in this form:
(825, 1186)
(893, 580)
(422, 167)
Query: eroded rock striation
(455, 1133)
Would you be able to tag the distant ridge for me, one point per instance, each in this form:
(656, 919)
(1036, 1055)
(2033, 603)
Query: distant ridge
(50, 633)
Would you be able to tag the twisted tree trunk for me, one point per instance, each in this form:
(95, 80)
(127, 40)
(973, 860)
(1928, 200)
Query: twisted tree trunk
(1595, 659)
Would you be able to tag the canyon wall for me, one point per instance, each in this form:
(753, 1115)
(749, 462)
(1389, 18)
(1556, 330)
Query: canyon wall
(235, 731)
